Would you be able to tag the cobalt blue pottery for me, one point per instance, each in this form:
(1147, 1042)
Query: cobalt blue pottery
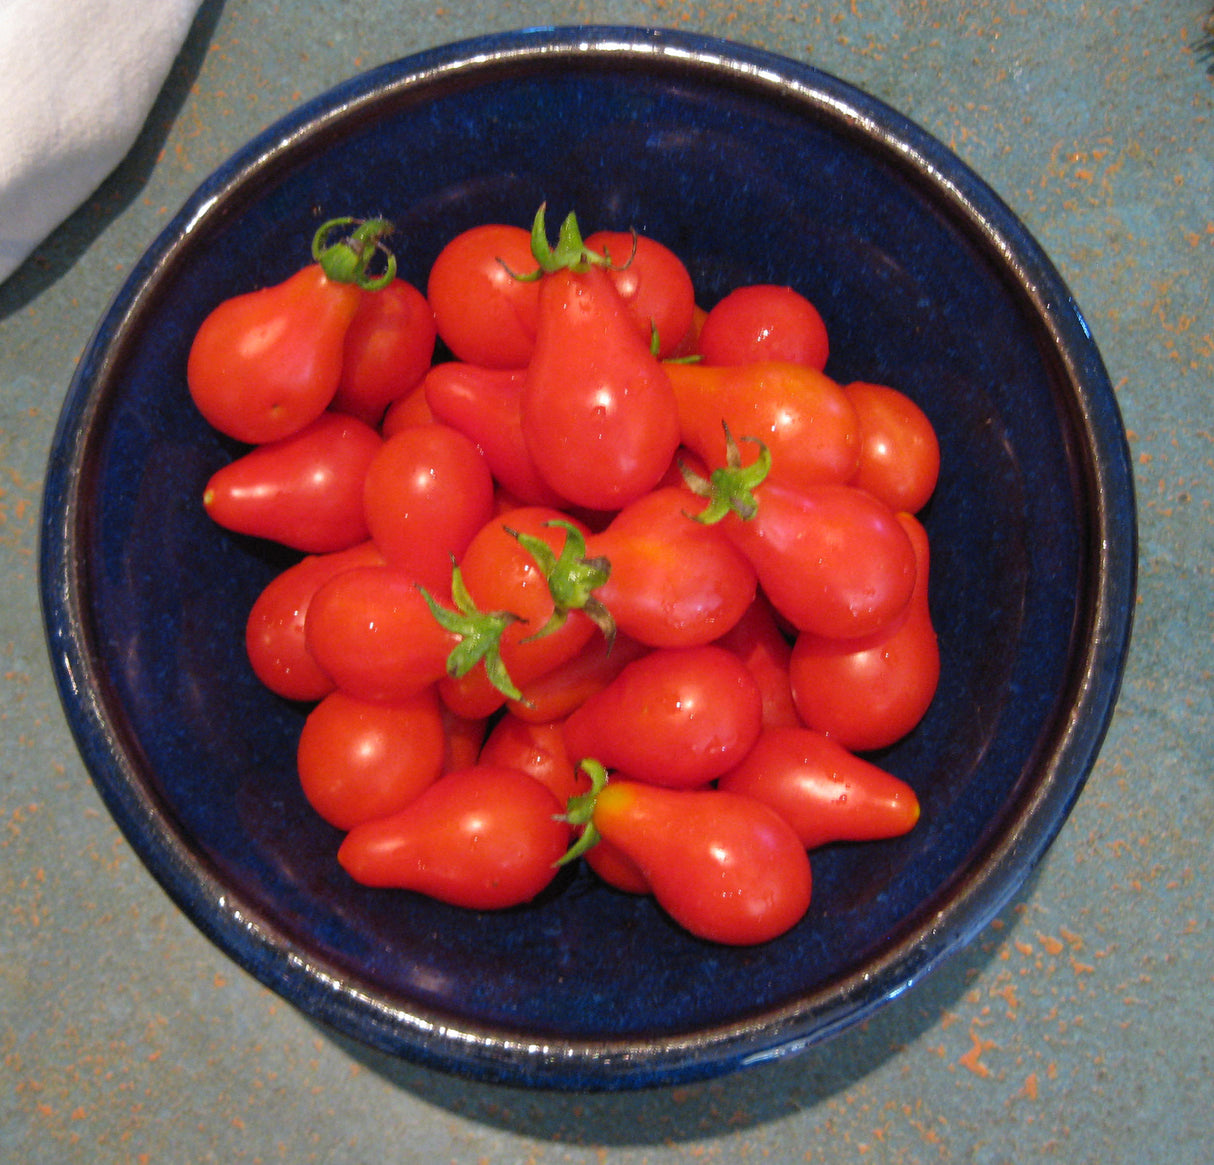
(754, 169)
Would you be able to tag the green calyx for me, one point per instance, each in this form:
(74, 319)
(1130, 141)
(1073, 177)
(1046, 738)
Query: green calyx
(731, 487)
(480, 636)
(579, 812)
(348, 259)
(570, 252)
(572, 578)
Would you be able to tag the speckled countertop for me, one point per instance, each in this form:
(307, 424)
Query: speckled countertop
(1078, 1028)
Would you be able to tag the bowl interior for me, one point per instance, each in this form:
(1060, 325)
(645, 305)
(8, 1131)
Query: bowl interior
(796, 179)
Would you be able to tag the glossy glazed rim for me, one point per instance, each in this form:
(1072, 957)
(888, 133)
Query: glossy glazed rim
(325, 992)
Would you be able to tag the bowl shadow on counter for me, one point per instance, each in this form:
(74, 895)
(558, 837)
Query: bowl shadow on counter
(724, 1105)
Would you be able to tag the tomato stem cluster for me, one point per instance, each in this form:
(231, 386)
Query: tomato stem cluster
(570, 252)
(580, 812)
(480, 635)
(731, 486)
(348, 260)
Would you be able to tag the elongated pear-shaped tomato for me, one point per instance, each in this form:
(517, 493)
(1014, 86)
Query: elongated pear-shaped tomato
(486, 405)
(305, 491)
(803, 417)
(598, 411)
(678, 717)
(870, 693)
(725, 867)
(485, 837)
(274, 631)
(825, 792)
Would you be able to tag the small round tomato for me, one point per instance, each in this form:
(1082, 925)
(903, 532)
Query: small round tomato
(485, 838)
(653, 281)
(274, 631)
(727, 868)
(371, 630)
(388, 347)
(359, 760)
(869, 693)
(305, 491)
(764, 322)
(426, 493)
(678, 717)
(537, 749)
(899, 451)
(484, 313)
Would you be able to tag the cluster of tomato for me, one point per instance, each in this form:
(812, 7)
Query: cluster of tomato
(617, 578)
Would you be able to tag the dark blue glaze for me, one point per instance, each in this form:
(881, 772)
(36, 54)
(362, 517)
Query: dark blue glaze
(753, 168)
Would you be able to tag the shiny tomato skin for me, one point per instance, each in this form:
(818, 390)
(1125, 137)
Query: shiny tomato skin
(536, 749)
(274, 630)
(371, 630)
(727, 868)
(483, 312)
(484, 838)
(825, 792)
(359, 760)
(304, 492)
(899, 452)
(759, 642)
(486, 405)
(673, 582)
(425, 495)
(868, 694)
(764, 321)
(833, 560)
(678, 717)
(557, 693)
(264, 364)
(388, 347)
(654, 282)
(598, 412)
(805, 419)
(618, 871)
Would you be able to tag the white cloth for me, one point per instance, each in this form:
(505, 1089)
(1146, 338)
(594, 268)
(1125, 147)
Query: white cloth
(77, 81)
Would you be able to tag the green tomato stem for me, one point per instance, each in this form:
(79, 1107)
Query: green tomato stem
(580, 812)
(347, 260)
(730, 489)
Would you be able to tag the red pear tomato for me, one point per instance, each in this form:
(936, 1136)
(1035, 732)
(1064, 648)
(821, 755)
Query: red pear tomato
(653, 281)
(555, 694)
(359, 760)
(266, 363)
(537, 749)
(727, 868)
(484, 313)
(758, 641)
(899, 452)
(485, 838)
(486, 405)
(274, 631)
(388, 347)
(869, 693)
(305, 491)
(678, 717)
(371, 630)
(426, 494)
(764, 322)
(822, 790)
(673, 582)
(803, 417)
(598, 412)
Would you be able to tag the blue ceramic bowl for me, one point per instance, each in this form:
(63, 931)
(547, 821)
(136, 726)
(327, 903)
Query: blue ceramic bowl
(754, 169)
